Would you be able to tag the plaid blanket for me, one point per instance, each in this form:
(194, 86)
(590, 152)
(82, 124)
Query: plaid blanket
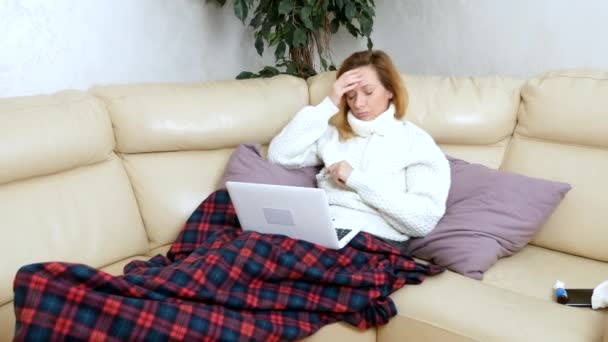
(217, 283)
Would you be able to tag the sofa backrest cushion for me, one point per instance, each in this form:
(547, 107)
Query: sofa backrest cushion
(562, 135)
(175, 139)
(42, 135)
(64, 194)
(204, 116)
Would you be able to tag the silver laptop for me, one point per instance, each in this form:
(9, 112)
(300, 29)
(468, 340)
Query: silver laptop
(300, 213)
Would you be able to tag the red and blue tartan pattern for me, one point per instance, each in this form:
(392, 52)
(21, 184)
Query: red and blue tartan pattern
(217, 283)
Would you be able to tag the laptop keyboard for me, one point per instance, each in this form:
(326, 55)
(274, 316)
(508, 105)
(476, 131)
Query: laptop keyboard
(342, 232)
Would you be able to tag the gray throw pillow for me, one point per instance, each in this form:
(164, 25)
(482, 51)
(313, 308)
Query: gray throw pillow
(490, 214)
(246, 164)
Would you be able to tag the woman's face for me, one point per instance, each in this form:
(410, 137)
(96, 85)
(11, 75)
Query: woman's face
(369, 99)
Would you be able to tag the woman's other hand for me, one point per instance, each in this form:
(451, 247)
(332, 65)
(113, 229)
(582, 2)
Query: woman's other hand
(339, 172)
(345, 83)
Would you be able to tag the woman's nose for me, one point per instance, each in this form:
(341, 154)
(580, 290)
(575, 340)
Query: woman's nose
(359, 101)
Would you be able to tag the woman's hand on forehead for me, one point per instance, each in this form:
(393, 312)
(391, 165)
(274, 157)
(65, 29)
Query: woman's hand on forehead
(345, 83)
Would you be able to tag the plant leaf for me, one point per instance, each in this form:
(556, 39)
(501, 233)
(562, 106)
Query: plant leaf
(288, 30)
(370, 44)
(318, 15)
(286, 6)
(291, 68)
(305, 16)
(280, 51)
(366, 25)
(308, 70)
(369, 10)
(299, 37)
(240, 10)
(259, 45)
(350, 11)
(257, 20)
(269, 71)
(352, 29)
(272, 38)
(245, 75)
(219, 2)
(334, 25)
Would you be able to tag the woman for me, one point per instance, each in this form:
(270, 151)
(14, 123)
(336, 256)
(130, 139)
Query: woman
(378, 169)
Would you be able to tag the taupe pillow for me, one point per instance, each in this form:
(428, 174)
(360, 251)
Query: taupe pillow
(490, 214)
(246, 164)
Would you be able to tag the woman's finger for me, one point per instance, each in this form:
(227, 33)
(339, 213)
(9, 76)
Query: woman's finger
(352, 72)
(348, 78)
(353, 80)
(348, 73)
(350, 87)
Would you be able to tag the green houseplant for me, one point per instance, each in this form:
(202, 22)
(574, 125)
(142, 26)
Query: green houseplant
(299, 31)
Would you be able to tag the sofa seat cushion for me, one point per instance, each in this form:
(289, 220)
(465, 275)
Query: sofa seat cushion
(162, 250)
(7, 322)
(533, 270)
(456, 308)
(341, 332)
(117, 267)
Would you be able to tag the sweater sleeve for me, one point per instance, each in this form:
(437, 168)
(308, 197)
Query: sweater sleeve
(414, 212)
(296, 145)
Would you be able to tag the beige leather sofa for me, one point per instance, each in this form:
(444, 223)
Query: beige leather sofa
(107, 176)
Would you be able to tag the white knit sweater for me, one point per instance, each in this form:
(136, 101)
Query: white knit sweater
(400, 179)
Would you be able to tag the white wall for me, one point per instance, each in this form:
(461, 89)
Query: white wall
(49, 45)
(517, 38)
